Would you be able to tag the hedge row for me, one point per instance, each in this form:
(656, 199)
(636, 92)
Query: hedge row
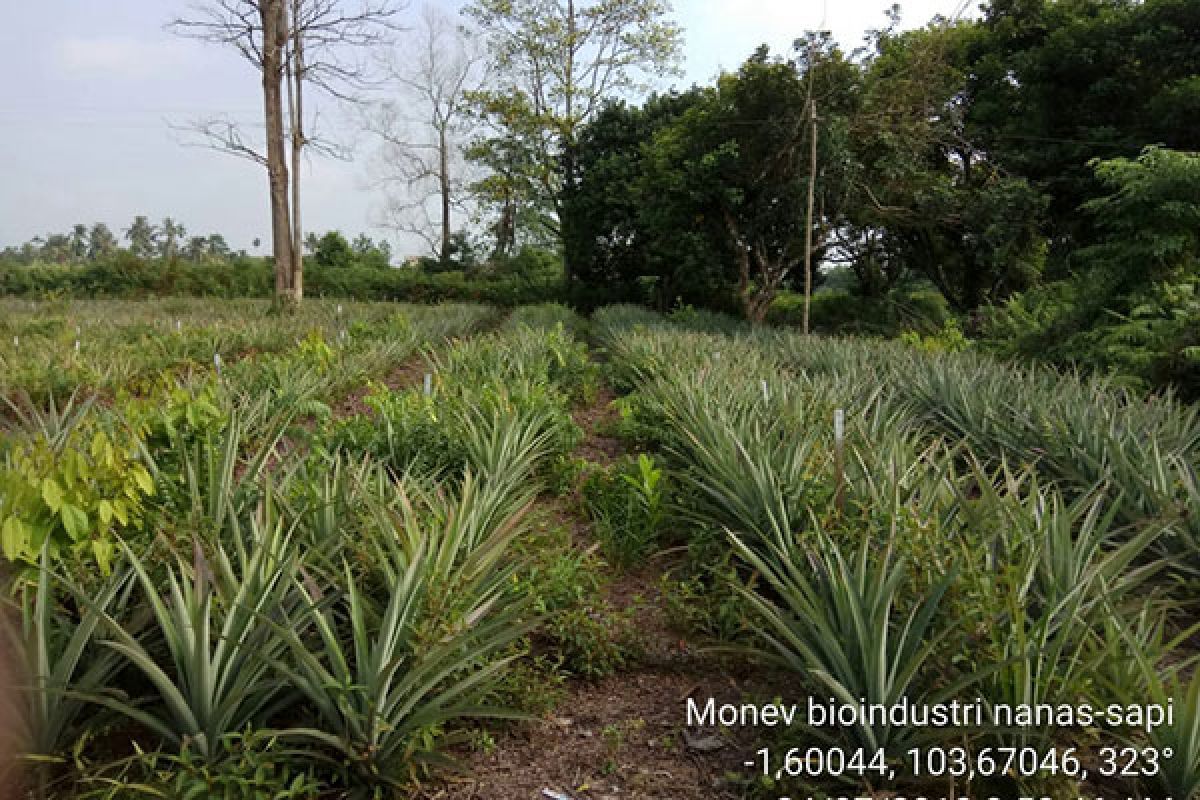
(251, 277)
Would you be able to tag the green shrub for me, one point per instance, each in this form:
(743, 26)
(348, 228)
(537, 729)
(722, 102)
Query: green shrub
(949, 339)
(626, 501)
(843, 311)
(596, 640)
(72, 488)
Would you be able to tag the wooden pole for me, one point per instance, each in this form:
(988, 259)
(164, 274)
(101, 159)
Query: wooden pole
(812, 185)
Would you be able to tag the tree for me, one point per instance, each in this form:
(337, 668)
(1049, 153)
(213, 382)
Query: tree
(217, 248)
(101, 242)
(620, 239)
(292, 44)
(79, 242)
(57, 248)
(142, 237)
(1054, 85)
(424, 128)
(1133, 304)
(172, 234)
(705, 194)
(1150, 217)
(196, 249)
(735, 168)
(334, 251)
(371, 254)
(906, 191)
(558, 62)
(512, 189)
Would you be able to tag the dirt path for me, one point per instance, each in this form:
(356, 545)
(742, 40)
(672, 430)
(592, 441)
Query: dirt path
(622, 736)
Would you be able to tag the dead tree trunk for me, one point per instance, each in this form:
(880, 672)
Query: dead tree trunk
(296, 107)
(275, 34)
(444, 187)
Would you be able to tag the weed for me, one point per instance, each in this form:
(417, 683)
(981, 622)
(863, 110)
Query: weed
(627, 503)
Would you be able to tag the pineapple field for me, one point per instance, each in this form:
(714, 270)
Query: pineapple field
(397, 551)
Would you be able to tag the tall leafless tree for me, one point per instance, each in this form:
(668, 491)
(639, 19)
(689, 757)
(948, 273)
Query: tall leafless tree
(292, 44)
(424, 124)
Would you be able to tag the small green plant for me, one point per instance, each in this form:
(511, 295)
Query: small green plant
(627, 503)
(949, 339)
(74, 492)
(595, 640)
(480, 740)
(533, 685)
(315, 350)
(258, 768)
(613, 736)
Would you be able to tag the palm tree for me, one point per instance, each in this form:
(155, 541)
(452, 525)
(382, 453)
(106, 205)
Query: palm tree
(57, 248)
(173, 234)
(196, 248)
(218, 248)
(101, 242)
(142, 237)
(79, 242)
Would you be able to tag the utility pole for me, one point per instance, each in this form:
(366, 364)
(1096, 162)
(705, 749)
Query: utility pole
(812, 185)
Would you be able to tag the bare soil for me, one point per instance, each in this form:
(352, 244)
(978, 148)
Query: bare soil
(597, 446)
(621, 737)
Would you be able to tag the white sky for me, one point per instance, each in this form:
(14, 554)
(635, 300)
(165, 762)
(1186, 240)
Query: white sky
(93, 86)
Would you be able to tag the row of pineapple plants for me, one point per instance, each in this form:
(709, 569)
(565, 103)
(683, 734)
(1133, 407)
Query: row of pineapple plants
(51, 349)
(926, 554)
(235, 604)
(1080, 433)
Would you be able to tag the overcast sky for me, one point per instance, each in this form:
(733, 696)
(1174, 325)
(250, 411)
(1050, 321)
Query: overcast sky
(93, 87)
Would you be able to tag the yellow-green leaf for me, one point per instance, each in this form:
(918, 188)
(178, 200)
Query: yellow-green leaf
(144, 481)
(75, 521)
(52, 494)
(13, 538)
(118, 510)
(103, 550)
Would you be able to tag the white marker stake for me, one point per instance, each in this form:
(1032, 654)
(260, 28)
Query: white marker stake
(717, 355)
(17, 342)
(428, 384)
(76, 345)
(839, 445)
(217, 363)
(766, 391)
(178, 325)
(339, 310)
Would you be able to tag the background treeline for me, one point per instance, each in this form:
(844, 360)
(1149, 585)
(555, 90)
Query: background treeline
(90, 261)
(169, 241)
(246, 276)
